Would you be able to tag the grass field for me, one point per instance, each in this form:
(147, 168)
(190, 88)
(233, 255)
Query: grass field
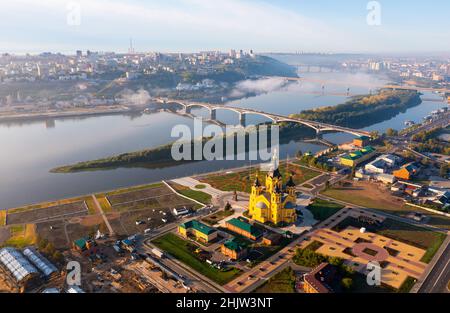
(282, 282)
(179, 249)
(243, 180)
(193, 194)
(91, 207)
(21, 236)
(106, 207)
(407, 285)
(322, 209)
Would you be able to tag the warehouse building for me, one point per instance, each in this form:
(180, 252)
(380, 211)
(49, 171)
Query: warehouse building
(14, 264)
(40, 262)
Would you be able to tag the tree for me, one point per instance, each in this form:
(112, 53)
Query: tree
(347, 283)
(228, 206)
(391, 132)
(299, 154)
(327, 185)
(375, 134)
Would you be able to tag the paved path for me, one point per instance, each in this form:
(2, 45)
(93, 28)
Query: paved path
(105, 219)
(192, 183)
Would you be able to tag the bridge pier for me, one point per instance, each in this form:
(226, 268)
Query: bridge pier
(242, 119)
(213, 114)
(319, 134)
(187, 110)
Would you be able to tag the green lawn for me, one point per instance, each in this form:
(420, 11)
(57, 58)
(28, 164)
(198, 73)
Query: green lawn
(196, 195)
(243, 180)
(322, 209)
(193, 194)
(407, 285)
(179, 249)
(283, 282)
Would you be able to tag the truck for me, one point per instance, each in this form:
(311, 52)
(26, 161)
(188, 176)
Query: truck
(158, 253)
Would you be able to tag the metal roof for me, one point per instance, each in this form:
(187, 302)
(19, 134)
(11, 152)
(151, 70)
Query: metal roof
(16, 263)
(198, 226)
(40, 261)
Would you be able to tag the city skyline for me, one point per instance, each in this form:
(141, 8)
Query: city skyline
(193, 25)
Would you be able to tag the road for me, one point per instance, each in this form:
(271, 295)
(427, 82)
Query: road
(439, 277)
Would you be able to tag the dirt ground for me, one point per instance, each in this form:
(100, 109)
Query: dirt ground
(152, 198)
(370, 195)
(37, 215)
(125, 222)
(379, 197)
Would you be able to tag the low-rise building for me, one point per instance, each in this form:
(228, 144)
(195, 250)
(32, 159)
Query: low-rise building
(354, 158)
(198, 230)
(233, 249)
(406, 172)
(243, 228)
(85, 246)
(319, 279)
(361, 141)
(180, 211)
(387, 179)
(270, 239)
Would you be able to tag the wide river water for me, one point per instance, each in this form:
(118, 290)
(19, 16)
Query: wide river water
(29, 150)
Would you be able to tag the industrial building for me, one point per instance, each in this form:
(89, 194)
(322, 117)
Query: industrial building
(15, 265)
(40, 262)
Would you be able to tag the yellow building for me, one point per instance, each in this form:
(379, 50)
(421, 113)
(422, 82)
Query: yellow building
(273, 203)
(198, 230)
(356, 157)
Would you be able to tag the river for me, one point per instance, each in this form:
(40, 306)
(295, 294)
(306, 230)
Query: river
(30, 149)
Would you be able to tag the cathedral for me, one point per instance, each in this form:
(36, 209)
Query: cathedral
(273, 203)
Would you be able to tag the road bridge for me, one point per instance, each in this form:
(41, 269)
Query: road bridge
(275, 118)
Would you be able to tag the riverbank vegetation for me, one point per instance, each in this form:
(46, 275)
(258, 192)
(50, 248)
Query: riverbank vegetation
(361, 111)
(161, 156)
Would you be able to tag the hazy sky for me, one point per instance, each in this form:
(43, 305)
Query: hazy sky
(193, 25)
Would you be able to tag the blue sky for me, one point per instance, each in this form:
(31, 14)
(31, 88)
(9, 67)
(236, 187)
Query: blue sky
(193, 25)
